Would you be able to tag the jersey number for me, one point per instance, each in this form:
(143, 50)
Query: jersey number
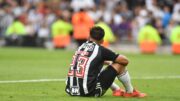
(81, 65)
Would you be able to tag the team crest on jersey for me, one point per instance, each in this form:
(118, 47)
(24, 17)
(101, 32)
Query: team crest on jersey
(89, 47)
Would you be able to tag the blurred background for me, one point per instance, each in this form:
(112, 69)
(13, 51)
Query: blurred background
(147, 26)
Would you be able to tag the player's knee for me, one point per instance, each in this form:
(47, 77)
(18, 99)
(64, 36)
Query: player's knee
(124, 60)
(118, 67)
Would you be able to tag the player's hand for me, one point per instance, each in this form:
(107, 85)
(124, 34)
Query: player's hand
(107, 62)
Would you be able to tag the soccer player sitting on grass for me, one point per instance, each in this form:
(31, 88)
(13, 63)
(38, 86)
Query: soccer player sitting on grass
(85, 77)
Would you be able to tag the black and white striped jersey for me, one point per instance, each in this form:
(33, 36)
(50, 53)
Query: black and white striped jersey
(86, 65)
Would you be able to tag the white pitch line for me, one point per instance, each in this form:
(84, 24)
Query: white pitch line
(31, 81)
(158, 77)
(60, 80)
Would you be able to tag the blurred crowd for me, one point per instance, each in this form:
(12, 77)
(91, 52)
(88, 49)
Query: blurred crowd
(36, 20)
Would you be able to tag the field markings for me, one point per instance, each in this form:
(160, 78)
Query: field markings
(158, 77)
(31, 81)
(63, 80)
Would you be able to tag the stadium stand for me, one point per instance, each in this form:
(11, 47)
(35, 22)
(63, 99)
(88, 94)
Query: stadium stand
(125, 18)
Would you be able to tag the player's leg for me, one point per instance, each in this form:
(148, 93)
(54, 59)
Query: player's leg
(124, 77)
(117, 91)
(114, 86)
(105, 80)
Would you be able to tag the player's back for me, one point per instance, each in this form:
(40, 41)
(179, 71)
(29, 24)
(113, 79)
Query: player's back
(85, 67)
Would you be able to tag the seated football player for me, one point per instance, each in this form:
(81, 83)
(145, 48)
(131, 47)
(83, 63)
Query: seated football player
(85, 77)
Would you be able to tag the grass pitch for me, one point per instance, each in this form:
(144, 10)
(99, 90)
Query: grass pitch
(157, 75)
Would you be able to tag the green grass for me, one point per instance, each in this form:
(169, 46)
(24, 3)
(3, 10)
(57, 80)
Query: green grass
(29, 64)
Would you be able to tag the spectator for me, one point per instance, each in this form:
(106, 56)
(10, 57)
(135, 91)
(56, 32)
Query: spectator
(30, 28)
(159, 27)
(176, 16)
(15, 33)
(149, 33)
(109, 35)
(82, 23)
(148, 39)
(169, 28)
(95, 14)
(176, 6)
(125, 12)
(175, 40)
(167, 16)
(60, 33)
(175, 35)
(155, 9)
(6, 18)
(79, 4)
(43, 35)
(123, 30)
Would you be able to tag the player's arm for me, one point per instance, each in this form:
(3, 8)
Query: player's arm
(108, 62)
(121, 59)
(108, 55)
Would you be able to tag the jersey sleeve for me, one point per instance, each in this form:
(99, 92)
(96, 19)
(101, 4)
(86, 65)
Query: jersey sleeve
(108, 54)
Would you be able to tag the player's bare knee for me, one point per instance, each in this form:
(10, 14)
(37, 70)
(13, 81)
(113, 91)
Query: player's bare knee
(124, 60)
(118, 67)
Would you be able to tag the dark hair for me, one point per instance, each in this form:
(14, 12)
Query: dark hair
(97, 33)
(81, 10)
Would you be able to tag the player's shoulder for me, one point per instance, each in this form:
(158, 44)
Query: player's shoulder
(104, 48)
